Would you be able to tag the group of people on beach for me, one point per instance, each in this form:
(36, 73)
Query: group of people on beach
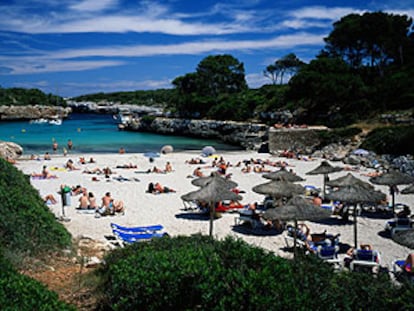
(109, 206)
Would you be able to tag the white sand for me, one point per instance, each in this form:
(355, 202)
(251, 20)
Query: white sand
(167, 209)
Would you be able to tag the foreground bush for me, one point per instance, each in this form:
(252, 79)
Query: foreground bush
(19, 292)
(27, 226)
(188, 273)
(391, 140)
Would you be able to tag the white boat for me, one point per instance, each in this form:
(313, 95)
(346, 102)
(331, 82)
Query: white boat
(39, 121)
(55, 122)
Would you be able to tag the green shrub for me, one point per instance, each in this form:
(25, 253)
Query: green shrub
(200, 273)
(337, 135)
(20, 292)
(395, 140)
(27, 226)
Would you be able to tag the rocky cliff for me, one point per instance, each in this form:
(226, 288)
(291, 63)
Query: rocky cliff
(244, 134)
(8, 113)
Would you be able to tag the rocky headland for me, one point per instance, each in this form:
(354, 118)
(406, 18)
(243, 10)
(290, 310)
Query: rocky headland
(14, 113)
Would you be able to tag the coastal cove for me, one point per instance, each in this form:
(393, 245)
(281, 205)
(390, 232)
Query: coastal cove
(95, 133)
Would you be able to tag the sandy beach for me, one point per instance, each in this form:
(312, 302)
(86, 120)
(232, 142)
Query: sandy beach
(167, 209)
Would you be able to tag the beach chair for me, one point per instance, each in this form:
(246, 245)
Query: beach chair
(399, 224)
(190, 205)
(329, 254)
(365, 259)
(128, 238)
(137, 229)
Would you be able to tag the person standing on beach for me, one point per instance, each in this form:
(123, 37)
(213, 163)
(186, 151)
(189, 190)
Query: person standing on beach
(70, 144)
(55, 146)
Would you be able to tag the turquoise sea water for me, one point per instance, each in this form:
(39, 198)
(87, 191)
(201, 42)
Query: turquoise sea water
(91, 133)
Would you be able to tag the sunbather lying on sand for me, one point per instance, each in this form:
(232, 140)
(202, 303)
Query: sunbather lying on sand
(158, 188)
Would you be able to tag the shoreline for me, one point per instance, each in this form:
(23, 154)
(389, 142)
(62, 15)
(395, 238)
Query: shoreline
(167, 209)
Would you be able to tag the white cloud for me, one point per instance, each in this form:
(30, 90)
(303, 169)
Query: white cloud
(33, 66)
(321, 12)
(255, 80)
(192, 48)
(93, 5)
(65, 60)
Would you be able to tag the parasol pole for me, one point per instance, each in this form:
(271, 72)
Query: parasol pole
(295, 238)
(355, 227)
(212, 212)
(325, 177)
(392, 190)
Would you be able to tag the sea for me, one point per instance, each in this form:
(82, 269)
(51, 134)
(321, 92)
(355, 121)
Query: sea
(95, 133)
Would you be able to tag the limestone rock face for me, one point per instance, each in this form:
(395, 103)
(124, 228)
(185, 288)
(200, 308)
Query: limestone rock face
(33, 112)
(245, 134)
(10, 150)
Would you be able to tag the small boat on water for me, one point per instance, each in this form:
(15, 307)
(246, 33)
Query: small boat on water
(46, 121)
(55, 122)
(39, 121)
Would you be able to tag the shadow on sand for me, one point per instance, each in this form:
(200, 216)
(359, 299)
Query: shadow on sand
(193, 216)
(246, 229)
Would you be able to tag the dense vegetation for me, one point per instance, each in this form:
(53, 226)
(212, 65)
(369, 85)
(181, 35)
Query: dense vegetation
(397, 140)
(145, 98)
(28, 232)
(200, 273)
(27, 227)
(19, 292)
(24, 97)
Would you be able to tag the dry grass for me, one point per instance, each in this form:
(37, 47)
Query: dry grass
(69, 278)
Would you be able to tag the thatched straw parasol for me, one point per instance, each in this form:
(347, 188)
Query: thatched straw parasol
(279, 189)
(324, 169)
(203, 181)
(212, 193)
(355, 195)
(283, 174)
(392, 179)
(348, 180)
(297, 208)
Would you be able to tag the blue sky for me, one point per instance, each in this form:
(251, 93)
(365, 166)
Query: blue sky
(75, 47)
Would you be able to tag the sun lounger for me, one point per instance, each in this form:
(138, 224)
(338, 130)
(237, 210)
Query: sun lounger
(128, 238)
(329, 254)
(137, 229)
(366, 259)
(399, 224)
